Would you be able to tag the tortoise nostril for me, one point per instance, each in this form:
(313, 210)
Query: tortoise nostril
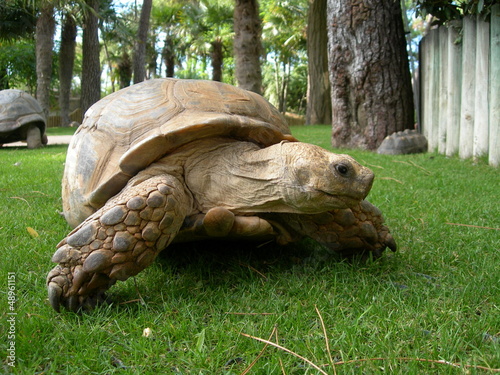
(342, 169)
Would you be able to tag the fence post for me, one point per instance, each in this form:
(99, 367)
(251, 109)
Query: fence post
(468, 88)
(454, 86)
(481, 96)
(433, 79)
(442, 99)
(494, 117)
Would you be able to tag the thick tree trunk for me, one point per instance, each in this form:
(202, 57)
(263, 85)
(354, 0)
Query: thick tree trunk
(371, 83)
(319, 101)
(248, 45)
(66, 62)
(217, 59)
(45, 27)
(91, 68)
(140, 44)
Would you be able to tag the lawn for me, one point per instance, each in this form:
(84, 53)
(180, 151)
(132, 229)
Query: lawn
(433, 307)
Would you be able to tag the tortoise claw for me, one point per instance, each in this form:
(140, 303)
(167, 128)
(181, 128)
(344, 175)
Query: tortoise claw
(55, 292)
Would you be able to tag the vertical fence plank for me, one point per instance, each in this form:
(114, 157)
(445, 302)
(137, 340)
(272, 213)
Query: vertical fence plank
(453, 94)
(481, 111)
(433, 76)
(494, 118)
(468, 88)
(442, 99)
(423, 67)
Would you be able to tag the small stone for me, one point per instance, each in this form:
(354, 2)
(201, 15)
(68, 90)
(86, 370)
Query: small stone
(156, 199)
(82, 236)
(132, 219)
(97, 261)
(123, 241)
(136, 203)
(151, 232)
(113, 216)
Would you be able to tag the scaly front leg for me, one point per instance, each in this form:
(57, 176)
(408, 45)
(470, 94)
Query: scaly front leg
(116, 242)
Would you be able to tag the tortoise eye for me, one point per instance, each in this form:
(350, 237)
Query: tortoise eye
(342, 169)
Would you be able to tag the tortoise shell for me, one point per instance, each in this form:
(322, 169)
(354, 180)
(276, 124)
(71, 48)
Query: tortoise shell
(19, 110)
(128, 130)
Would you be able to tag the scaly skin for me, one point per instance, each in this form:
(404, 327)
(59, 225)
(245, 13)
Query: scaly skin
(350, 231)
(116, 242)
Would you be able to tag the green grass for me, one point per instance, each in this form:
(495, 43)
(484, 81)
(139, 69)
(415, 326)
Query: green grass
(437, 298)
(61, 131)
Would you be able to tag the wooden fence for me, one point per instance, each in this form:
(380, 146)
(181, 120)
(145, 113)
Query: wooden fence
(459, 97)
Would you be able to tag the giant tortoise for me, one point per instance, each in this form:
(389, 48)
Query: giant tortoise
(181, 160)
(21, 119)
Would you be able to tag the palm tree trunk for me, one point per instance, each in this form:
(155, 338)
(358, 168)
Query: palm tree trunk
(319, 101)
(140, 45)
(248, 45)
(91, 68)
(169, 56)
(45, 27)
(217, 59)
(66, 62)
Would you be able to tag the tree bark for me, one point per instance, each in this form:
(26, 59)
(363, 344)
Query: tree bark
(319, 101)
(168, 56)
(217, 59)
(91, 68)
(66, 63)
(247, 45)
(45, 27)
(369, 73)
(140, 44)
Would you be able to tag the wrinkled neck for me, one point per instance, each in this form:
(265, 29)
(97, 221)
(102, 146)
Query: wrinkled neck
(239, 176)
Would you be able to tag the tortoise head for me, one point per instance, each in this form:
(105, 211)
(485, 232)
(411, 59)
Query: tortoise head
(316, 180)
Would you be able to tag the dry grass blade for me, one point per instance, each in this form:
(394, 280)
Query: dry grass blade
(472, 226)
(259, 355)
(392, 179)
(286, 350)
(413, 164)
(437, 361)
(326, 340)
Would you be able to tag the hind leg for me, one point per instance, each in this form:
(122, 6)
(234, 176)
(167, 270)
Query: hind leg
(116, 242)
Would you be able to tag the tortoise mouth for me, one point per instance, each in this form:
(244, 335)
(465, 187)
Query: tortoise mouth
(341, 201)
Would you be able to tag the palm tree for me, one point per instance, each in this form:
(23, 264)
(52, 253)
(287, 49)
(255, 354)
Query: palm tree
(140, 44)
(44, 36)
(248, 45)
(319, 101)
(66, 63)
(91, 69)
